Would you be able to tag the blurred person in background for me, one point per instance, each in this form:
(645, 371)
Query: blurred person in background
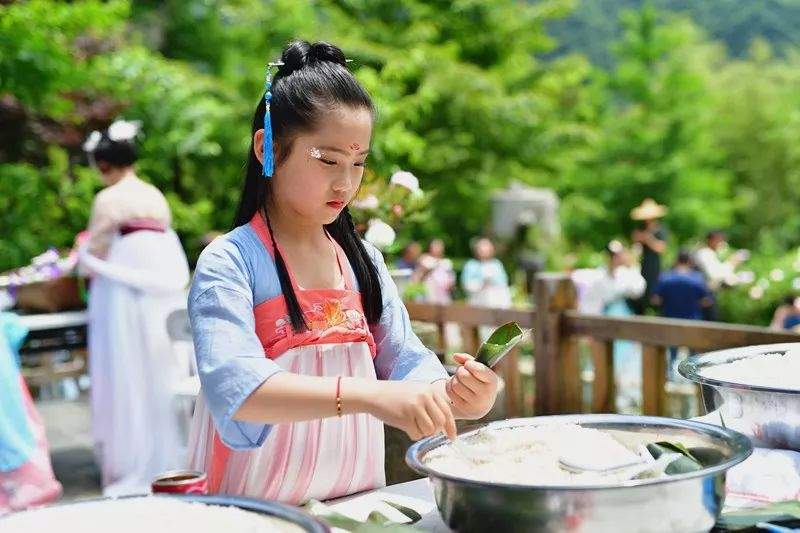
(651, 237)
(409, 258)
(139, 276)
(718, 272)
(26, 475)
(681, 293)
(787, 315)
(607, 291)
(485, 281)
(436, 272)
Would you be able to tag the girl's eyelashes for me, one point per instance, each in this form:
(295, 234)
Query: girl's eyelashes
(317, 154)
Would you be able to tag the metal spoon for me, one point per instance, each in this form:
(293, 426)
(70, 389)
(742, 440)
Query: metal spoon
(576, 468)
(470, 453)
(634, 469)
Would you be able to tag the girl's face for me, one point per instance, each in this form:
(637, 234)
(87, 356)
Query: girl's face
(324, 168)
(436, 248)
(484, 249)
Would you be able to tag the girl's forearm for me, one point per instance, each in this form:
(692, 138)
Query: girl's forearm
(289, 397)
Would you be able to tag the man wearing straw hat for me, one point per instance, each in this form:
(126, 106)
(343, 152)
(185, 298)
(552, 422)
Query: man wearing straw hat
(652, 237)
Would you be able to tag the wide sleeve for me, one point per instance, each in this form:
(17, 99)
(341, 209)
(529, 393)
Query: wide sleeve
(102, 225)
(716, 271)
(230, 359)
(629, 282)
(400, 353)
(499, 276)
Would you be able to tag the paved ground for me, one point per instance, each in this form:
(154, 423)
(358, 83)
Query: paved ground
(68, 433)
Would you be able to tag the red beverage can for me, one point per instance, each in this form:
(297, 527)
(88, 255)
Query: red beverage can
(181, 482)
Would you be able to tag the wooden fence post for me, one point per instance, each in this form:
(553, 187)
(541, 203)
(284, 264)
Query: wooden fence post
(603, 388)
(654, 377)
(558, 386)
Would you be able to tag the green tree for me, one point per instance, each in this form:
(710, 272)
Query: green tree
(757, 126)
(656, 140)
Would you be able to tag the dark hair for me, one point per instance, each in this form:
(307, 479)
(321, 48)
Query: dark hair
(715, 233)
(115, 153)
(684, 258)
(312, 80)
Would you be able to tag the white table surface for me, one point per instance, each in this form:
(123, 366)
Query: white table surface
(44, 321)
(417, 495)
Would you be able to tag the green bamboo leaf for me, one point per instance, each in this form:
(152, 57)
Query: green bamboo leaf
(499, 343)
(387, 528)
(377, 522)
(775, 512)
(682, 465)
(678, 448)
(377, 517)
(408, 512)
(707, 456)
(340, 521)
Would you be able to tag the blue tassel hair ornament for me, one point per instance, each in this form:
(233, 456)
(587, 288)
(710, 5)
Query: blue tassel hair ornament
(268, 163)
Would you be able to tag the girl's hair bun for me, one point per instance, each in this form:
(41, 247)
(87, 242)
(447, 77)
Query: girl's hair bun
(322, 51)
(299, 54)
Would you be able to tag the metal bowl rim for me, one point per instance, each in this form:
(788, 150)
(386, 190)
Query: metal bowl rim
(690, 368)
(739, 443)
(274, 509)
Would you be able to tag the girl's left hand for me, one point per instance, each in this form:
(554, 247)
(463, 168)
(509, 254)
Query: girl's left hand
(472, 389)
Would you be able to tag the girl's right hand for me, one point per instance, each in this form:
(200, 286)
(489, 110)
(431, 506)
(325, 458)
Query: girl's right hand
(419, 409)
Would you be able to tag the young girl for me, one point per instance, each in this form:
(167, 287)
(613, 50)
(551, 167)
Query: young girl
(303, 344)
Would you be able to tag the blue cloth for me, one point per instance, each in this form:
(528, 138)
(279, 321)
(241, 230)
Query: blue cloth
(403, 264)
(791, 322)
(17, 441)
(627, 354)
(681, 294)
(476, 273)
(234, 274)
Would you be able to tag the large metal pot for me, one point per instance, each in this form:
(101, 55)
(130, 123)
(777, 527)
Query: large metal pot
(681, 503)
(296, 519)
(770, 416)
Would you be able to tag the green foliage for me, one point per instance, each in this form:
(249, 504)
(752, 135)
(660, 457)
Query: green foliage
(656, 140)
(25, 223)
(757, 126)
(775, 277)
(471, 95)
(595, 24)
(45, 49)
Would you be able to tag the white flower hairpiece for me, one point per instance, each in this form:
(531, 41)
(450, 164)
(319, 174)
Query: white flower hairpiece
(92, 141)
(123, 130)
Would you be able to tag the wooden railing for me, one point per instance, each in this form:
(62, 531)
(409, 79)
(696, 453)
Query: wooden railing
(470, 319)
(557, 329)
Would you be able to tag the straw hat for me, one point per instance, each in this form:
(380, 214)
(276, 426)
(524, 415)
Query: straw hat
(649, 210)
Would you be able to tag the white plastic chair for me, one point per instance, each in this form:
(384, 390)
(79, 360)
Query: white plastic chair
(187, 388)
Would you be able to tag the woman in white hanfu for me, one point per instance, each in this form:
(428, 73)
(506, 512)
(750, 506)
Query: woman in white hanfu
(139, 276)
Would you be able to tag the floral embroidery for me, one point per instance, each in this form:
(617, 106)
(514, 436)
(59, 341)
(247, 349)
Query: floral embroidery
(322, 318)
